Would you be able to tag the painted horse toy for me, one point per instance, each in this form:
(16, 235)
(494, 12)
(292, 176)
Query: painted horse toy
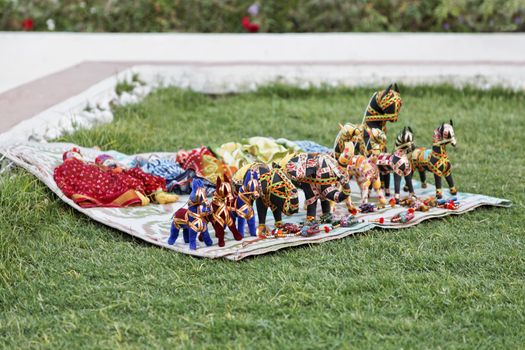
(383, 107)
(193, 220)
(365, 172)
(436, 159)
(223, 210)
(397, 163)
(247, 193)
(319, 176)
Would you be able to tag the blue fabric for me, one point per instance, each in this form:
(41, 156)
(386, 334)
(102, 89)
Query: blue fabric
(312, 147)
(177, 179)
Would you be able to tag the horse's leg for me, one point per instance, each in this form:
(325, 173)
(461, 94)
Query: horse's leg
(450, 182)
(206, 237)
(261, 213)
(241, 222)
(423, 178)
(233, 229)
(325, 206)
(251, 226)
(385, 179)
(309, 198)
(439, 191)
(186, 234)
(376, 184)
(409, 184)
(174, 234)
(193, 239)
(397, 187)
(219, 232)
(365, 188)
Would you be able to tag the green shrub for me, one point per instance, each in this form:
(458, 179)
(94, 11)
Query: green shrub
(276, 16)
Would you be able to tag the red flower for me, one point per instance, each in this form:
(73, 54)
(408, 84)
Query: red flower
(251, 27)
(27, 24)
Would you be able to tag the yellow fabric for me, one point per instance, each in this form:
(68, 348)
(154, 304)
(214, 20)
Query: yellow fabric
(262, 149)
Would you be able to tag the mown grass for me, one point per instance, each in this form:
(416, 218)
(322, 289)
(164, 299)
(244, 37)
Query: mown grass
(68, 282)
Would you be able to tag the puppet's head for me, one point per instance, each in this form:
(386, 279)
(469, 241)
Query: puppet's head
(73, 153)
(384, 106)
(107, 161)
(444, 134)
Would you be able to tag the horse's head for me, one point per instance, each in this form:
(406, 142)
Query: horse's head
(250, 185)
(349, 132)
(284, 191)
(444, 134)
(347, 153)
(377, 141)
(224, 188)
(198, 193)
(384, 105)
(405, 140)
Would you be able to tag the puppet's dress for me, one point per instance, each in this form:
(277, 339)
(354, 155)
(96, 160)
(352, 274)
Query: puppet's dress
(89, 185)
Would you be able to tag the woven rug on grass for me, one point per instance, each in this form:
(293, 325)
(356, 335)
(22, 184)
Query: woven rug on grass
(152, 223)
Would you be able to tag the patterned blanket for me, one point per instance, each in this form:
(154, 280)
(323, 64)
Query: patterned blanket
(152, 223)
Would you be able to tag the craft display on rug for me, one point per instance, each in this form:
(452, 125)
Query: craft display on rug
(224, 183)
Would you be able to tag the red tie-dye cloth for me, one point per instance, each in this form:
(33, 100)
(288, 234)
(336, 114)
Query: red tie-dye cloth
(90, 185)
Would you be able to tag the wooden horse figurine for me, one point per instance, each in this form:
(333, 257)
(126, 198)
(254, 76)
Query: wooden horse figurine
(246, 195)
(193, 220)
(398, 162)
(277, 192)
(223, 210)
(364, 170)
(383, 107)
(436, 159)
(319, 176)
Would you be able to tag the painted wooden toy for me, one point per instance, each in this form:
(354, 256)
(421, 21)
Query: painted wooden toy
(319, 176)
(365, 172)
(397, 163)
(435, 159)
(193, 220)
(223, 209)
(247, 193)
(384, 106)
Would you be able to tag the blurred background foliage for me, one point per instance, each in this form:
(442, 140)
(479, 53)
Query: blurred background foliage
(275, 16)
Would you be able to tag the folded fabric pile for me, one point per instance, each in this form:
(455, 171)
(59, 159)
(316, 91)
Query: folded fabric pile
(106, 182)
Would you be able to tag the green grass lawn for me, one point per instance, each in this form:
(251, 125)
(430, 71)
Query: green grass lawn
(459, 282)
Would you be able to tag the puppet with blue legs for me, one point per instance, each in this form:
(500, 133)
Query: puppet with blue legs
(319, 176)
(384, 106)
(193, 220)
(246, 195)
(223, 210)
(436, 159)
(276, 192)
